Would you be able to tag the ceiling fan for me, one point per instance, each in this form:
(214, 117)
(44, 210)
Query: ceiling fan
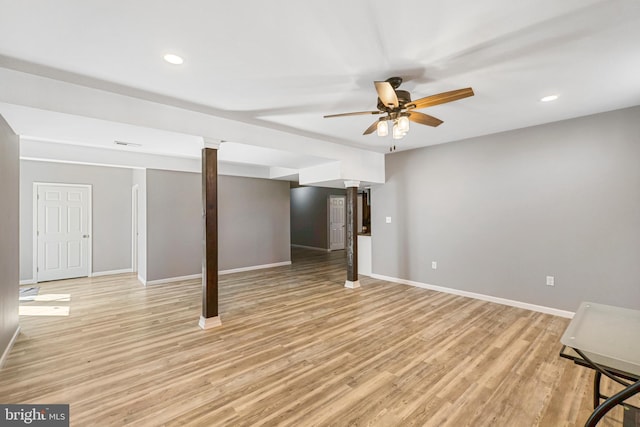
(399, 108)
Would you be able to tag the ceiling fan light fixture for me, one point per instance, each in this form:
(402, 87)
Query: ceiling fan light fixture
(403, 124)
(383, 128)
(397, 133)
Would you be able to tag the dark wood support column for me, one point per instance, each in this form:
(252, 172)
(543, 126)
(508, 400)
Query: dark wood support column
(209, 317)
(352, 234)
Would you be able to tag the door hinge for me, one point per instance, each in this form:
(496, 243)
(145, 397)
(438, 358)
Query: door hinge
(38, 233)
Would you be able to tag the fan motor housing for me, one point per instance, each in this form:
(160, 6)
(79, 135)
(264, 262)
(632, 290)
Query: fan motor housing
(404, 97)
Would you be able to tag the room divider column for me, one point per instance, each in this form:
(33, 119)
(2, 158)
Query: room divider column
(210, 317)
(352, 234)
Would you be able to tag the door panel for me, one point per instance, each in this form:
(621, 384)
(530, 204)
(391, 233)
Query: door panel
(62, 232)
(336, 222)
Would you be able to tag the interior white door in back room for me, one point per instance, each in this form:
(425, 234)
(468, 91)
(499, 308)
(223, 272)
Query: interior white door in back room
(337, 217)
(63, 231)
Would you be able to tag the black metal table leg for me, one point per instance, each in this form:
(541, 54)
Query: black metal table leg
(611, 402)
(596, 389)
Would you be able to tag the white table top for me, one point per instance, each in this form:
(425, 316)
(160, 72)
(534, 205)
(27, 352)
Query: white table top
(608, 335)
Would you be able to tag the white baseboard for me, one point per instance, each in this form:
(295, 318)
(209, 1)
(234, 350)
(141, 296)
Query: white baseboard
(221, 272)
(27, 282)
(313, 248)
(254, 267)
(5, 353)
(110, 272)
(141, 280)
(172, 279)
(482, 297)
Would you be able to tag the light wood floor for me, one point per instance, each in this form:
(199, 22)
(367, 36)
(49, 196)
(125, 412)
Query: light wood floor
(296, 348)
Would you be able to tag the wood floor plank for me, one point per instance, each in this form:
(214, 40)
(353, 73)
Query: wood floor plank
(295, 348)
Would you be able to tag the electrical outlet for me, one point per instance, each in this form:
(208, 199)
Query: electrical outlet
(388, 220)
(550, 281)
(434, 265)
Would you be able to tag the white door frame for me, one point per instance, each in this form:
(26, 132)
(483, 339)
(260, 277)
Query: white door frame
(134, 228)
(34, 229)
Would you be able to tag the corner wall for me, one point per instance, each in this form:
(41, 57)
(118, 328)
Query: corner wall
(501, 212)
(9, 239)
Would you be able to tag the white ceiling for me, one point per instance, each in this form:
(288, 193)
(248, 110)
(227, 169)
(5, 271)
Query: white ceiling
(283, 64)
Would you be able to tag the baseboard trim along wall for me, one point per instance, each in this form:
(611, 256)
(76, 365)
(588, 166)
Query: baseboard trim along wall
(221, 272)
(313, 248)
(27, 282)
(7, 350)
(110, 272)
(482, 297)
(172, 279)
(254, 267)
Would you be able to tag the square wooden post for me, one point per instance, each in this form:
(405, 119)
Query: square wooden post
(210, 317)
(352, 234)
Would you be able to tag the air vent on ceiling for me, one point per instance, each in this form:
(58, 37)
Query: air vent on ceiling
(127, 144)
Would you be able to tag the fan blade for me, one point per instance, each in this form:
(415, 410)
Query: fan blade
(440, 98)
(424, 119)
(386, 93)
(357, 113)
(371, 128)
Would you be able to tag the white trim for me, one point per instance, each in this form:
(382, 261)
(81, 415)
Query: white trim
(312, 248)
(141, 280)
(27, 282)
(110, 272)
(352, 285)
(172, 279)
(254, 267)
(212, 143)
(348, 184)
(482, 297)
(221, 272)
(5, 353)
(134, 227)
(34, 229)
(209, 322)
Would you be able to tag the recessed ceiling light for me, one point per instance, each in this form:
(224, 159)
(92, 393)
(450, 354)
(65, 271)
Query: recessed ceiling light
(549, 98)
(173, 59)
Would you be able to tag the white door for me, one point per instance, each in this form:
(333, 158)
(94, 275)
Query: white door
(63, 227)
(336, 222)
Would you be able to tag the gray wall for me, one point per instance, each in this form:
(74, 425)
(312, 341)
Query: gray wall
(309, 215)
(253, 222)
(500, 212)
(174, 224)
(140, 179)
(9, 214)
(111, 221)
